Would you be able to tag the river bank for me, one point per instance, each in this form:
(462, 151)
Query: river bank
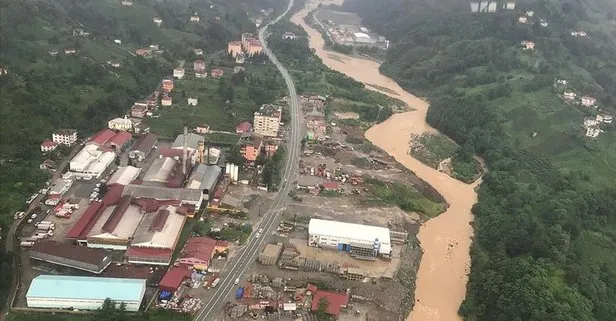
(446, 239)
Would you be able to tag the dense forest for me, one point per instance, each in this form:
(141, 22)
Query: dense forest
(545, 223)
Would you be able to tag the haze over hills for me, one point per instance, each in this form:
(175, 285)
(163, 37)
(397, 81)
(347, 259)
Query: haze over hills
(545, 225)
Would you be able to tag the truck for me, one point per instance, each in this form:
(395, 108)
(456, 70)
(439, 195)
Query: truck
(239, 293)
(26, 244)
(215, 282)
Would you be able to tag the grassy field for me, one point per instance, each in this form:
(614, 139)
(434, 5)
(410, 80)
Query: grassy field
(213, 107)
(403, 196)
(559, 135)
(431, 149)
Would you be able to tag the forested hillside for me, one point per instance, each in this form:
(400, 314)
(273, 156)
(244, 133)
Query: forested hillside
(545, 227)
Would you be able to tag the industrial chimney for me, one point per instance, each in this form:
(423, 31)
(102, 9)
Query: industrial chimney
(184, 151)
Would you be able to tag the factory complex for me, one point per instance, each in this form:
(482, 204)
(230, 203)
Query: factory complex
(134, 216)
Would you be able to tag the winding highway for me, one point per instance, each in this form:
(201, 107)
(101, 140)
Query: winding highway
(238, 266)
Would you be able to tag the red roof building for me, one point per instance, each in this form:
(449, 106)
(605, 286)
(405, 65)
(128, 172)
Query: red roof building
(102, 137)
(139, 255)
(173, 279)
(217, 73)
(243, 127)
(330, 186)
(113, 195)
(120, 140)
(200, 251)
(48, 145)
(336, 301)
(85, 223)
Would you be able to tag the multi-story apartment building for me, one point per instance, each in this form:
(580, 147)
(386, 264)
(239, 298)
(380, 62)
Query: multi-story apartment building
(234, 48)
(266, 121)
(65, 136)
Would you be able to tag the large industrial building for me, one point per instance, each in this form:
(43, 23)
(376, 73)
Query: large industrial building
(188, 198)
(205, 178)
(162, 171)
(361, 241)
(73, 256)
(128, 216)
(84, 293)
(91, 161)
(124, 175)
(142, 147)
(156, 237)
(115, 226)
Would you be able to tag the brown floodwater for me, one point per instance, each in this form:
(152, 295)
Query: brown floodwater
(446, 239)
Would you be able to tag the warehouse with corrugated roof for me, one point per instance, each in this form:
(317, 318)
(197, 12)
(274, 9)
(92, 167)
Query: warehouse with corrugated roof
(73, 256)
(83, 292)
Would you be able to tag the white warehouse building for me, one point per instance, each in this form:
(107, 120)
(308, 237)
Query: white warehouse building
(360, 241)
(361, 37)
(91, 161)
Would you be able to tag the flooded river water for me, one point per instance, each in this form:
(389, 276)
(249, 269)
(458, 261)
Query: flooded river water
(446, 239)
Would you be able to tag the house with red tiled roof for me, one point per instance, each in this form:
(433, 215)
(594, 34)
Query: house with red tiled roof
(217, 73)
(120, 140)
(107, 138)
(173, 279)
(199, 251)
(336, 301)
(102, 137)
(48, 145)
(330, 186)
(243, 127)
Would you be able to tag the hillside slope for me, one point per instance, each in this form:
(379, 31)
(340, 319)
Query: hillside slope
(546, 220)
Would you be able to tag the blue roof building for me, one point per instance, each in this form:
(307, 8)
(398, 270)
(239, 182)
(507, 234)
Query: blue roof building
(84, 292)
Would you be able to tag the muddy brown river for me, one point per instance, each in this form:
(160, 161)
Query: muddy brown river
(446, 239)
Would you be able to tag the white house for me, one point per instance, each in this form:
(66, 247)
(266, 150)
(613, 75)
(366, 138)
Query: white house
(178, 73)
(192, 101)
(530, 13)
(528, 45)
(158, 21)
(578, 33)
(124, 124)
(561, 82)
(592, 131)
(166, 101)
(522, 19)
(607, 119)
(569, 95)
(48, 145)
(588, 101)
(589, 122)
(194, 18)
(65, 136)
(117, 41)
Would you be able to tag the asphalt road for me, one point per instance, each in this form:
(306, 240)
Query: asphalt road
(242, 261)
